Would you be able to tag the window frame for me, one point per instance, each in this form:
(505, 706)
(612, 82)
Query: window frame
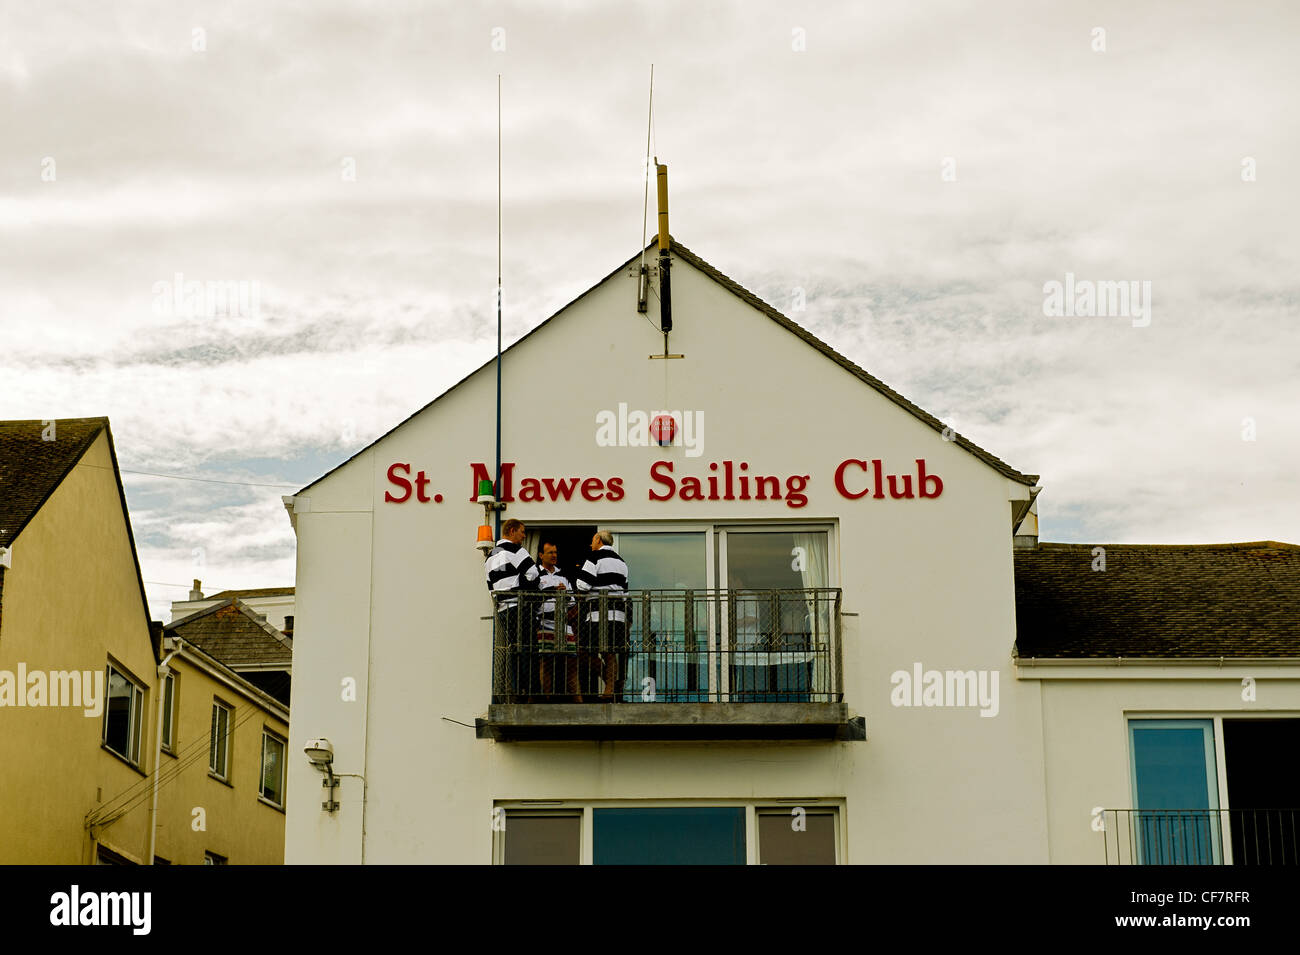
(1212, 741)
(168, 689)
(836, 805)
(715, 532)
(812, 808)
(135, 713)
(219, 704)
(270, 734)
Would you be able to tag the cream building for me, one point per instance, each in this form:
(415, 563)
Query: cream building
(109, 729)
(71, 602)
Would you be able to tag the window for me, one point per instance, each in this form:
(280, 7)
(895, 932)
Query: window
(219, 744)
(542, 838)
(610, 832)
(1175, 790)
(685, 836)
(775, 644)
(169, 711)
(789, 837)
(272, 768)
(123, 715)
(109, 857)
(211, 858)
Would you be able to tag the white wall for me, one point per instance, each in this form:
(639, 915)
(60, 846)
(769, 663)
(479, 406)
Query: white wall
(931, 580)
(1085, 722)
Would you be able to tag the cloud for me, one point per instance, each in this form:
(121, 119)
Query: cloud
(819, 168)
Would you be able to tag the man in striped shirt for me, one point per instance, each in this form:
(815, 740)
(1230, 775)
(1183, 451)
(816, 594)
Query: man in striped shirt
(558, 652)
(510, 571)
(605, 572)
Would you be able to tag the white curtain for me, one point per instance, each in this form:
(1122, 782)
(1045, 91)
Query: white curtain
(815, 574)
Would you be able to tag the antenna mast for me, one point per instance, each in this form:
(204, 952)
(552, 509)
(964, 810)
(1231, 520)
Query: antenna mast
(497, 485)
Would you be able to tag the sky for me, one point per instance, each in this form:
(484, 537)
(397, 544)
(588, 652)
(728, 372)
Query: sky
(904, 179)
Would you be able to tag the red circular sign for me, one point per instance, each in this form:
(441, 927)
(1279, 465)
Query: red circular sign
(663, 429)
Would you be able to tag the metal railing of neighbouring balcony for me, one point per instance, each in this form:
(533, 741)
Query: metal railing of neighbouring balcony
(668, 646)
(1201, 836)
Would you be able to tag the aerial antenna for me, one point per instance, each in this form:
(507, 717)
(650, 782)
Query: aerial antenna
(643, 288)
(497, 486)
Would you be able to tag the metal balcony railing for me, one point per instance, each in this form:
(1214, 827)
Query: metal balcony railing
(1201, 836)
(668, 646)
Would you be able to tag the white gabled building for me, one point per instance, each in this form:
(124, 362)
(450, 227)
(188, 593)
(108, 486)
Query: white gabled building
(904, 533)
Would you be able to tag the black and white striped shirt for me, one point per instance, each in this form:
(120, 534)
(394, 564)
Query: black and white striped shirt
(510, 568)
(551, 580)
(605, 571)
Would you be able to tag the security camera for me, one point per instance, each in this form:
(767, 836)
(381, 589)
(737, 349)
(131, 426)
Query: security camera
(320, 752)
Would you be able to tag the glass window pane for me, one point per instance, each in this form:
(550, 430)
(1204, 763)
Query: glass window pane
(219, 745)
(776, 560)
(1173, 767)
(117, 715)
(169, 689)
(670, 643)
(532, 839)
(212, 741)
(777, 641)
(781, 843)
(272, 768)
(690, 836)
(137, 723)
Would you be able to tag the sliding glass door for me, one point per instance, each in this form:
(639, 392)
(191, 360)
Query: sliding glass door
(670, 637)
(758, 625)
(775, 629)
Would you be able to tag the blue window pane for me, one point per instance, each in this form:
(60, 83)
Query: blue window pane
(694, 836)
(1176, 824)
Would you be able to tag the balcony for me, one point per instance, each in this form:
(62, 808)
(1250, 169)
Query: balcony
(1201, 836)
(669, 664)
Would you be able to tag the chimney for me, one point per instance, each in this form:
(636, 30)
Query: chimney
(197, 592)
(288, 625)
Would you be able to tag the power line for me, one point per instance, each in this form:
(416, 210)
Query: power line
(181, 477)
(178, 477)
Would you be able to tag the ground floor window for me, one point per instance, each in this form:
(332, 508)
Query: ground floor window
(735, 833)
(541, 838)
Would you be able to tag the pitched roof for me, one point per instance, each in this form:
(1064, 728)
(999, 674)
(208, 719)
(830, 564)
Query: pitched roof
(31, 467)
(257, 592)
(686, 255)
(232, 633)
(1158, 600)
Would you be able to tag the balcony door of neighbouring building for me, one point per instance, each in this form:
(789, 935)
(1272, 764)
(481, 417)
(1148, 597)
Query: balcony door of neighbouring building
(1263, 780)
(1175, 792)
